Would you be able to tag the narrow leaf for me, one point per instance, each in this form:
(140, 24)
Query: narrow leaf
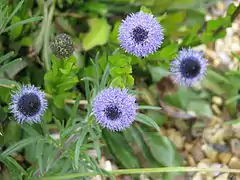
(19, 145)
(78, 146)
(142, 118)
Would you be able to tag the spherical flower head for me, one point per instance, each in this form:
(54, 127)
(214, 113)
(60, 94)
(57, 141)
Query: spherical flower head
(62, 46)
(28, 104)
(189, 67)
(115, 109)
(140, 34)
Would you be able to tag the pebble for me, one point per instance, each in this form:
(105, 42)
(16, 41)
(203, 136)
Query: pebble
(224, 157)
(198, 176)
(217, 100)
(222, 177)
(197, 153)
(216, 165)
(188, 146)
(143, 177)
(191, 160)
(234, 163)
(204, 163)
(216, 109)
(221, 147)
(238, 177)
(236, 130)
(208, 177)
(176, 137)
(235, 146)
(210, 152)
(208, 134)
(224, 133)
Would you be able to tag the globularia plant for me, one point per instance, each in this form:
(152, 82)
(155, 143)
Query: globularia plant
(115, 109)
(101, 100)
(28, 104)
(140, 34)
(189, 67)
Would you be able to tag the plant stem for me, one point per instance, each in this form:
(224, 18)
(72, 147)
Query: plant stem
(67, 143)
(145, 170)
(47, 34)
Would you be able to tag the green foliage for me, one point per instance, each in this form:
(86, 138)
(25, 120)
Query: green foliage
(61, 78)
(120, 70)
(68, 140)
(98, 34)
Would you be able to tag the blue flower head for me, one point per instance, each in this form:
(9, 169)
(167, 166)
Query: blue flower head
(189, 67)
(28, 104)
(140, 34)
(114, 109)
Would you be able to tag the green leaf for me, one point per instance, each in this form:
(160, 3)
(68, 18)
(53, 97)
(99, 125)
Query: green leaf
(66, 85)
(200, 108)
(105, 76)
(11, 133)
(14, 67)
(150, 107)
(22, 23)
(167, 53)
(12, 165)
(8, 82)
(59, 99)
(9, 18)
(134, 138)
(172, 21)
(129, 80)
(145, 10)
(118, 71)
(97, 7)
(231, 9)
(19, 145)
(120, 149)
(235, 121)
(114, 33)
(142, 118)
(213, 25)
(217, 76)
(117, 82)
(233, 99)
(8, 65)
(98, 34)
(119, 60)
(78, 146)
(74, 111)
(15, 32)
(6, 56)
(162, 149)
(39, 155)
(26, 41)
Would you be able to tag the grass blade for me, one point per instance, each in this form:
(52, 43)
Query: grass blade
(22, 23)
(5, 66)
(142, 118)
(19, 145)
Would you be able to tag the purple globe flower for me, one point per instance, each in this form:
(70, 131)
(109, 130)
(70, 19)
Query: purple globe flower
(28, 104)
(114, 109)
(189, 67)
(140, 34)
